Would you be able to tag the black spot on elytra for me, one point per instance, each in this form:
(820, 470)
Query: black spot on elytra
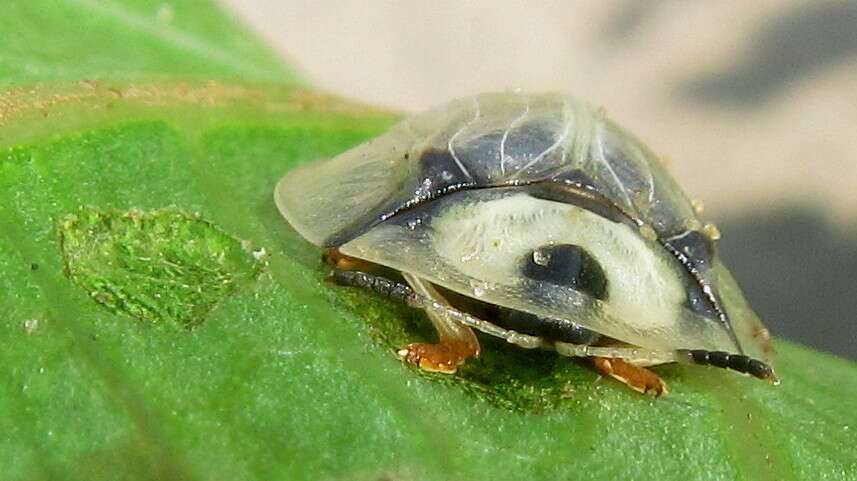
(566, 265)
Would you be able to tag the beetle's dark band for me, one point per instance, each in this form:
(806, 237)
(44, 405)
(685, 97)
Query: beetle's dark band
(396, 291)
(572, 192)
(736, 362)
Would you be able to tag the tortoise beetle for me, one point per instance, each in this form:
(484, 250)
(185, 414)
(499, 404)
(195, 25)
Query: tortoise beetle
(534, 218)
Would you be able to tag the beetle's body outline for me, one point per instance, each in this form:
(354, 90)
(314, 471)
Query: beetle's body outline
(460, 196)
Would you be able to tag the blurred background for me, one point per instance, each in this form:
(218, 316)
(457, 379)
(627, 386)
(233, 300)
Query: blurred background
(754, 104)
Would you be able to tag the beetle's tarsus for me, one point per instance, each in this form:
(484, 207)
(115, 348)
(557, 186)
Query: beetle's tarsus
(457, 341)
(443, 358)
(637, 378)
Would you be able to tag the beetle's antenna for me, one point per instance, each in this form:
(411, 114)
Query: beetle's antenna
(396, 291)
(401, 292)
(736, 362)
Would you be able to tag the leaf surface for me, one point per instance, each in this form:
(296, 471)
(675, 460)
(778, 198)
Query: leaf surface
(283, 376)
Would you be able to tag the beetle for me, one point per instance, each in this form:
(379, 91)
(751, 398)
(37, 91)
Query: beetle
(536, 219)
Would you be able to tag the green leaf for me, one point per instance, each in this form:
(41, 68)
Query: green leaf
(161, 320)
(286, 376)
(73, 40)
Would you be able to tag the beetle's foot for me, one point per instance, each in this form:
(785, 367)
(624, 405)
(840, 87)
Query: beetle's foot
(637, 378)
(443, 358)
(341, 261)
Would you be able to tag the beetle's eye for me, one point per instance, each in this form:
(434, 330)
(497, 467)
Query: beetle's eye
(566, 265)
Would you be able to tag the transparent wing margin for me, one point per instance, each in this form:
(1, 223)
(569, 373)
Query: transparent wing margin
(324, 197)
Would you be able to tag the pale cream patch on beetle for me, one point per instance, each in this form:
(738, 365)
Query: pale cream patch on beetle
(643, 282)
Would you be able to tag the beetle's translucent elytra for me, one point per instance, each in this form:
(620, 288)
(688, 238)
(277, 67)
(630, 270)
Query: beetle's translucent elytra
(536, 219)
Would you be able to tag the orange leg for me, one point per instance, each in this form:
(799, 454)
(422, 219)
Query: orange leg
(339, 260)
(637, 378)
(457, 342)
(444, 357)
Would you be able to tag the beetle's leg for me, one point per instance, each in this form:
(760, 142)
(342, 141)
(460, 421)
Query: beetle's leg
(457, 341)
(637, 378)
(337, 259)
(633, 355)
(623, 363)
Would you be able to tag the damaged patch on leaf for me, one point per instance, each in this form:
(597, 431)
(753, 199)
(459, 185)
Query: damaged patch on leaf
(164, 266)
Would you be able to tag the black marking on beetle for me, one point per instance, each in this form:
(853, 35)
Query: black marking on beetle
(566, 265)
(701, 304)
(483, 147)
(696, 252)
(704, 301)
(526, 142)
(696, 247)
(439, 171)
(388, 210)
(579, 179)
(545, 327)
(581, 195)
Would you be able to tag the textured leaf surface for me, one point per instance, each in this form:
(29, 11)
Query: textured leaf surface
(284, 376)
(164, 266)
(49, 40)
(289, 378)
